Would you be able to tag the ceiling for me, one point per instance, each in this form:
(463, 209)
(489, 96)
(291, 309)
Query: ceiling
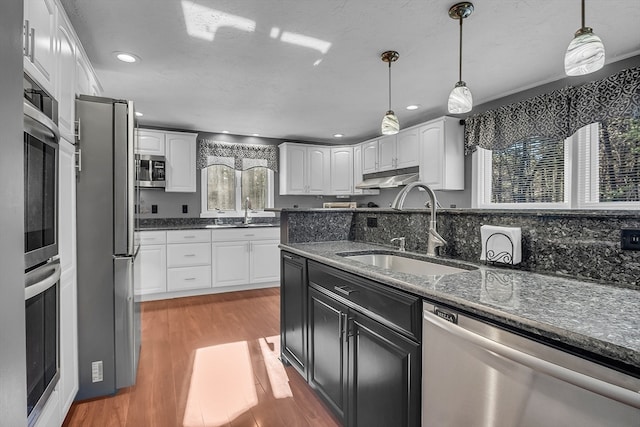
(305, 70)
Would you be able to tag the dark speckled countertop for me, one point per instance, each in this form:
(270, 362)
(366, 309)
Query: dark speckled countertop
(600, 320)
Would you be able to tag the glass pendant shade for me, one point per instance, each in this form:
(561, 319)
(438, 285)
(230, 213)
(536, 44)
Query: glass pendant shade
(460, 99)
(585, 53)
(390, 124)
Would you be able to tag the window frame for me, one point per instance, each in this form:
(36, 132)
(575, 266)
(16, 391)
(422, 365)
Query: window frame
(581, 177)
(239, 211)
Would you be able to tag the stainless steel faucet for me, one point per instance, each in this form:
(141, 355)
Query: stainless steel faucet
(435, 240)
(247, 206)
(402, 241)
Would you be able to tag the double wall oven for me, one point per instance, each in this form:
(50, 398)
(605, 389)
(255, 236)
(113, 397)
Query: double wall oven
(42, 266)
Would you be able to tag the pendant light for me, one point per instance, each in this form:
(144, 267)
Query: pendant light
(460, 99)
(585, 53)
(390, 124)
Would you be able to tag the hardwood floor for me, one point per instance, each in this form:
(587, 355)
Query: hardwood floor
(210, 361)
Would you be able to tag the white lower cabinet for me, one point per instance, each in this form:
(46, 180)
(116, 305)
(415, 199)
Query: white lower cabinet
(153, 263)
(68, 385)
(245, 256)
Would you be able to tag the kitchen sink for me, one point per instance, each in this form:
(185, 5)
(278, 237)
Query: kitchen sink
(401, 264)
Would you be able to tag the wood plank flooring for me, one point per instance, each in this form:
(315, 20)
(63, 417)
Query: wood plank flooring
(210, 361)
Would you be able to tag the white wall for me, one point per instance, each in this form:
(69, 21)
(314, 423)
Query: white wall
(13, 395)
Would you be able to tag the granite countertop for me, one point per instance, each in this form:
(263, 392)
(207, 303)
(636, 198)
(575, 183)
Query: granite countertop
(601, 319)
(201, 226)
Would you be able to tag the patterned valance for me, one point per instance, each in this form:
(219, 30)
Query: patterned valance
(237, 156)
(555, 115)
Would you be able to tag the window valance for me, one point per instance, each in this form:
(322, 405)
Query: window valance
(236, 156)
(556, 115)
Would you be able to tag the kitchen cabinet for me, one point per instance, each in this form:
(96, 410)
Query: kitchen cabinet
(357, 172)
(39, 41)
(153, 263)
(66, 77)
(391, 152)
(50, 415)
(442, 154)
(150, 142)
(86, 80)
(304, 169)
(293, 312)
(370, 157)
(188, 260)
(180, 149)
(364, 343)
(245, 256)
(341, 171)
(387, 153)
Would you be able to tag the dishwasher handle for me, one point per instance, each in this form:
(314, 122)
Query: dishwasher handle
(586, 382)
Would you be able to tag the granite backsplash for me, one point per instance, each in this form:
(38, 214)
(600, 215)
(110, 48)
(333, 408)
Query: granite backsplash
(575, 244)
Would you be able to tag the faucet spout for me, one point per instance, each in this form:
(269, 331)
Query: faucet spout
(435, 240)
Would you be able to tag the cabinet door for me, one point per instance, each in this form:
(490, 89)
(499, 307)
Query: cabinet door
(265, 261)
(370, 157)
(83, 73)
(150, 142)
(294, 158)
(41, 16)
(431, 155)
(293, 312)
(387, 153)
(153, 269)
(407, 148)
(68, 340)
(384, 376)
(66, 73)
(185, 278)
(67, 205)
(318, 170)
(328, 350)
(341, 170)
(181, 162)
(230, 263)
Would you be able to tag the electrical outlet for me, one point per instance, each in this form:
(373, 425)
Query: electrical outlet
(154, 209)
(372, 222)
(185, 208)
(630, 239)
(96, 371)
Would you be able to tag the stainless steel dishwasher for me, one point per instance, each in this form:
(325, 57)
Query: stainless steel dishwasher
(477, 375)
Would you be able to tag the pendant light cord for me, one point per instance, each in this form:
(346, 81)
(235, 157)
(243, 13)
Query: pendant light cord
(460, 57)
(389, 85)
(582, 14)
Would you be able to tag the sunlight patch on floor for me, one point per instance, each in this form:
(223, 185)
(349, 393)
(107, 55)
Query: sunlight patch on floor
(222, 385)
(270, 347)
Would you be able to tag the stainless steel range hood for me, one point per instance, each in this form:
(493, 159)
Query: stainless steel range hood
(389, 179)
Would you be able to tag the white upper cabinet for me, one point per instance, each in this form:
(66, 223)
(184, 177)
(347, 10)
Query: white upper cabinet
(407, 148)
(66, 73)
(304, 169)
(357, 171)
(150, 142)
(369, 157)
(180, 151)
(442, 154)
(39, 41)
(387, 153)
(341, 170)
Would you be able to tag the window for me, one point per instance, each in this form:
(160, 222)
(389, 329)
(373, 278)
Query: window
(225, 190)
(596, 168)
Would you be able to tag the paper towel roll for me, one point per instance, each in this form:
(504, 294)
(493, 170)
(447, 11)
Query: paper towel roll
(501, 244)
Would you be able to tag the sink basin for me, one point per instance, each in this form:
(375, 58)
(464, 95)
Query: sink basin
(402, 264)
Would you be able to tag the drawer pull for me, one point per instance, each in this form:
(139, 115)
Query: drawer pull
(189, 237)
(189, 255)
(190, 279)
(287, 257)
(344, 290)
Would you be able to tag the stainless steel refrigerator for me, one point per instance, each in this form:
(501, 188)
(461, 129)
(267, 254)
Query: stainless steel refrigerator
(108, 313)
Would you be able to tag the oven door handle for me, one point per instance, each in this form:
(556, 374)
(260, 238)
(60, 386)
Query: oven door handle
(44, 284)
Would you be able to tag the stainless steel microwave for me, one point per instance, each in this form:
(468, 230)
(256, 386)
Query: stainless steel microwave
(150, 171)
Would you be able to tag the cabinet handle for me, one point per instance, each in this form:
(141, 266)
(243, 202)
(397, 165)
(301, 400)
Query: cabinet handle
(344, 290)
(190, 255)
(77, 128)
(190, 279)
(25, 35)
(287, 256)
(189, 237)
(340, 325)
(79, 160)
(32, 44)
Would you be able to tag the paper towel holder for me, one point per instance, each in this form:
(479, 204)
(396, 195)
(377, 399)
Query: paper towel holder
(503, 257)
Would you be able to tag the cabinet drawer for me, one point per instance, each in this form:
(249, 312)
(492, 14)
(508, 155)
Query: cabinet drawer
(188, 254)
(397, 309)
(184, 278)
(255, 233)
(152, 237)
(188, 236)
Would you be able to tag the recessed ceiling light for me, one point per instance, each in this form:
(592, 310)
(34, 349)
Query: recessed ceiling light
(126, 57)
(255, 134)
(338, 135)
(139, 114)
(413, 107)
(225, 131)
